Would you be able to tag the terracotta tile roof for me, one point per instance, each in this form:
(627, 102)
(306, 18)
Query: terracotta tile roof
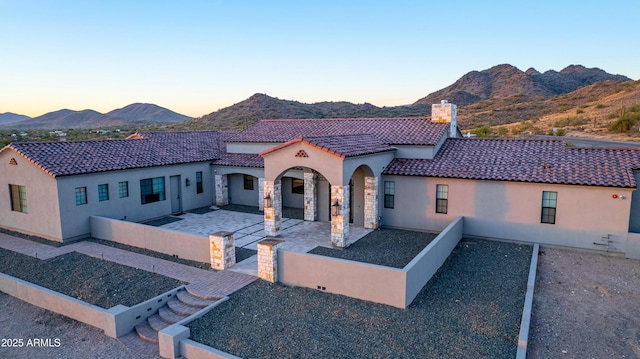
(342, 146)
(538, 161)
(240, 160)
(392, 131)
(144, 150)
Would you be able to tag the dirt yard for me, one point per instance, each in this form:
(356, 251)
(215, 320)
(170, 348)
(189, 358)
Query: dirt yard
(585, 306)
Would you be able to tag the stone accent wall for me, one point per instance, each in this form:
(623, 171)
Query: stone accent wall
(310, 196)
(268, 259)
(223, 250)
(222, 190)
(273, 215)
(371, 202)
(340, 223)
(261, 193)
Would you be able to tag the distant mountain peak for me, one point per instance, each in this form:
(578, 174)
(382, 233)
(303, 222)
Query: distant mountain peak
(531, 72)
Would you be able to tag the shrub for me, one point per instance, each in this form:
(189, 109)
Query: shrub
(579, 111)
(482, 131)
(600, 106)
(503, 131)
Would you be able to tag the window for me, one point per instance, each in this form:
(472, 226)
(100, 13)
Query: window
(18, 196)
(152, 190)
(297, 186)
(81, 196)
(549, 202)
(248, 182)
(199, 188)
(103, 192)
(123, 189)
(442, 198)
(389, 194)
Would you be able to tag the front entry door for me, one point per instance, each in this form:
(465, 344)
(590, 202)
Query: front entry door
(176, 194)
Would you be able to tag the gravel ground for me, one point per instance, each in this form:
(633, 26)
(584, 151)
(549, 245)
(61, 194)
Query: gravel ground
(386, 247)
(77, 340)
(585, 306)
(470, 309)
(89, 279)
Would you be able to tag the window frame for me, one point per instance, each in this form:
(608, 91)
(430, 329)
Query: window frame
(152, 190)
(442, 198)
(389, 194)
(297, 186)
(123, 189)
(549, 207)
(248, 182)
(199, 186)
(103, 192)
(82, 197)
(18, 198)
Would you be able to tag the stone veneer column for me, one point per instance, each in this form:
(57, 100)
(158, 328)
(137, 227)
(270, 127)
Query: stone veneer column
(268, 259)
(222, 194)
(261, 193)
(273, 215)
(223, 250)
(371, 202)
(310, 196)
(340, 223)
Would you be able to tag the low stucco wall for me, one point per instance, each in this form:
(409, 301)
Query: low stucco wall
(338, 276)
(183, 245)
(420, 270)
(54, 301)
(633, 246)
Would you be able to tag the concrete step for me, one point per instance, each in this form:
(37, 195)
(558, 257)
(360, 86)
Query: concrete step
(156, 323)
(147, 333)
(134, 342)
(182, 308)
(195, 301)
(198, 289)
(169, 315)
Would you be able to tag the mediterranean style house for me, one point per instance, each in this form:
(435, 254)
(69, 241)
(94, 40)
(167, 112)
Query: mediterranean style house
(413, 173)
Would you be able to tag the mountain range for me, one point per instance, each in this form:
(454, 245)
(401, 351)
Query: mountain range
(137, 114)
(477, 92)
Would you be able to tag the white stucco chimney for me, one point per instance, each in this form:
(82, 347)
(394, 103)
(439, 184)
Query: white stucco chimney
(444, 112)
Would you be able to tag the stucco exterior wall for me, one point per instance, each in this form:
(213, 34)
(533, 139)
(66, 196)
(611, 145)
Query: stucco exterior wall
(238, 194)
(75, 221)
(43, 213)
(328, 165)
(512, 210)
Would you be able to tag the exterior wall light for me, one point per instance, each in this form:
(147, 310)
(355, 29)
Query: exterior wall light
(267, 201)
(335, 208)
(187, 182)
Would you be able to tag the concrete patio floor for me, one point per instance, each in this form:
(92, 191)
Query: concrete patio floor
(248, 229)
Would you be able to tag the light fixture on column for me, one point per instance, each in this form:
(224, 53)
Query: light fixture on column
(335, 208)
(187, 182)
(267, 201)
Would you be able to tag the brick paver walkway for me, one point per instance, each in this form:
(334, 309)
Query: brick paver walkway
(204, 282)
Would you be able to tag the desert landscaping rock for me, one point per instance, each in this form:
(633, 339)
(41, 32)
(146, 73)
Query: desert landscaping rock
(92, 280)
(386, 247)
(470, 309)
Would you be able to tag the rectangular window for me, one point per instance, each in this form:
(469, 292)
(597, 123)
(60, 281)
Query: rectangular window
(152, 190)
(81, 196)
(103, 192)
(18, 196)
(123, 189)
(442, 198)
(389, 194)
(248, 182)
(297, 186)
(549, 202)
(199, 188)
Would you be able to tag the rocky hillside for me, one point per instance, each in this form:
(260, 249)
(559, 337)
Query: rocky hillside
(505, 81)
(137, 114)
(477, 94)
(260, 107)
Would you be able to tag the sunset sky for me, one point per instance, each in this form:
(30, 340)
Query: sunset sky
(195, 57)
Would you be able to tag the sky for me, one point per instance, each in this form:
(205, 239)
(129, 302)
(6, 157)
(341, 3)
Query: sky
(196, 57)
